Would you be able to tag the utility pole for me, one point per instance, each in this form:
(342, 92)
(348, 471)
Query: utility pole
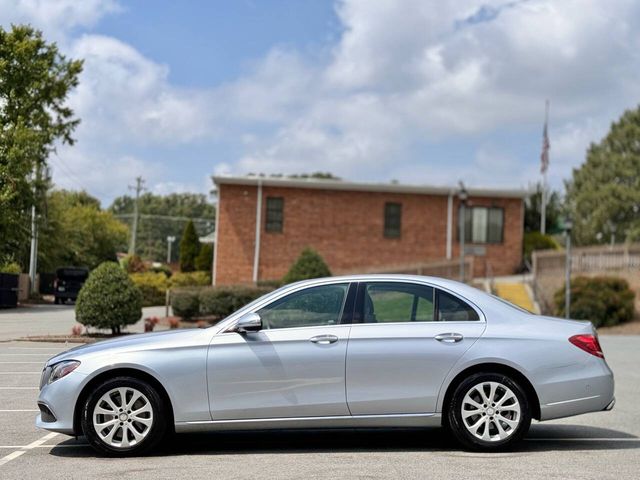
(134, 229)
(544, 166)
(33, 254)
(568, 225)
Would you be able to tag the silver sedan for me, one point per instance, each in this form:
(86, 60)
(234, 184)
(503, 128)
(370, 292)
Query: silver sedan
(341, 352)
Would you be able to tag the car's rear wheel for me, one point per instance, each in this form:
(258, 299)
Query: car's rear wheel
(489, 411)
(124, 416)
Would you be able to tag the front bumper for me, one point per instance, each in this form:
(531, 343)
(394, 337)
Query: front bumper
(60, 398)
(609, 407)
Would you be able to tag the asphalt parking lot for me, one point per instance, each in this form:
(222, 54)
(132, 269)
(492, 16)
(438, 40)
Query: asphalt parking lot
(599, 445)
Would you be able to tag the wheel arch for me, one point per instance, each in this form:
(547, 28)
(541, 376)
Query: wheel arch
(120, 372)
(494, 367)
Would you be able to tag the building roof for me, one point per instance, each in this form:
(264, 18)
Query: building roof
(322, 184)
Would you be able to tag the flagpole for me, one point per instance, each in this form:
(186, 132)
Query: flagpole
(543, 197)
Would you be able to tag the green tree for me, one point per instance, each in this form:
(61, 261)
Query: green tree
(168, 216)
(35, 80)
(204, 260)
(604, 193)
(76, 231)
(109, 299)
(553, 214)
(308, 265)
(189, 248)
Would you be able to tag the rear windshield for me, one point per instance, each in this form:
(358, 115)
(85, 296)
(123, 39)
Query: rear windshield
(509, 304)
(75, 273)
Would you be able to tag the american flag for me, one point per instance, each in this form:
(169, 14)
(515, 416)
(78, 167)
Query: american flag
(544, 156)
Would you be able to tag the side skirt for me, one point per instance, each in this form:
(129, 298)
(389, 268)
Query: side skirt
(357, 421)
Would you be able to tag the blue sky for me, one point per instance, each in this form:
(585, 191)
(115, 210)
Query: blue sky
(420, 91)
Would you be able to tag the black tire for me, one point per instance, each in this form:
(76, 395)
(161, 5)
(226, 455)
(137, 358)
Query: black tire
(455, 423)
(56, 300)
(156, 432)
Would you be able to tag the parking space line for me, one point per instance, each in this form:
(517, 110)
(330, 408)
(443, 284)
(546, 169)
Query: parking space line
(23, 354)
(21, 363)
(26, 448)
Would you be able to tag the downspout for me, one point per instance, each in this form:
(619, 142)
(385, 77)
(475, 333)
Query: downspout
(449, 224)
(215, 241)
(256, 253)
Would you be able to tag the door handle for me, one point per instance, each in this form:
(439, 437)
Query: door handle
(449, 337)
(324, 339)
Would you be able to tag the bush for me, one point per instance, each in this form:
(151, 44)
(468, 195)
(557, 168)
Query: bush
(153, 287)
(309, 265)
(133, 264)
(11, 267)
(538, 241)
(605, 301)
(185, 302)
(204, 260)
(223, 301)
(191, 279)
(109, 299)
(162, 268)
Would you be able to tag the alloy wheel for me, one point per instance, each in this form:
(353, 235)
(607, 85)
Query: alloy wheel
(491, 411)
(123, 417)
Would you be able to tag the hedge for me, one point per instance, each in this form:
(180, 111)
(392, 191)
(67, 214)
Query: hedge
(217, 302)
(190, 279)
(153, 287)
(308, 265)
(605, 301)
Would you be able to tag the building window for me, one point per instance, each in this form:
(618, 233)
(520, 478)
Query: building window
(275, 214)
(392, 219)
(483, 225)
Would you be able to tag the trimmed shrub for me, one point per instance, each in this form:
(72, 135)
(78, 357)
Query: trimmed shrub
(109, 299)
(309, 265)
(185, 302)
(153, 287)
(191, 279)
(189, 248)
(204, 260)
(605, 301)
(223, 301)
(538, 241)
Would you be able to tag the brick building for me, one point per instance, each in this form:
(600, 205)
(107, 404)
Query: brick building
(358, 226)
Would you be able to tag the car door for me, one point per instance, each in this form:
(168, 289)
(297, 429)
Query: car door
(293, 367)
(405, 338)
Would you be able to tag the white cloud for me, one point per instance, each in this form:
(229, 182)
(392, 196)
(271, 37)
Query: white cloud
(56, 18)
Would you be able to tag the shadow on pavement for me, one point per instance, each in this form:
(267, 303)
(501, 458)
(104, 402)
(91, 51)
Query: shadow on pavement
(540, 438)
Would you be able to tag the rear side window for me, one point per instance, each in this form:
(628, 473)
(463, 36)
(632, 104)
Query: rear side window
(388, 302)
(452, 309)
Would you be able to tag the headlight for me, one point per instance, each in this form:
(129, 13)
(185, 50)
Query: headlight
(62, 369)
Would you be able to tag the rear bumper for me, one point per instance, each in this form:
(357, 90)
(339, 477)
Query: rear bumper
(609, 407)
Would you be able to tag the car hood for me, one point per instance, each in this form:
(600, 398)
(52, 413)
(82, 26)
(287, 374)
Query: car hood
(141, 341)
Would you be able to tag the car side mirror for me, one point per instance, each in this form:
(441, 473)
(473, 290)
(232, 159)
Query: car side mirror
(249, 322)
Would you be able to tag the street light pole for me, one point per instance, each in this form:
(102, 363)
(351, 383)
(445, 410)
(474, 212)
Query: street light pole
(462, 196)
(568, 225)
(170, 240)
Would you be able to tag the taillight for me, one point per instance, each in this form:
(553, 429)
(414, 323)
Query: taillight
(589, 343)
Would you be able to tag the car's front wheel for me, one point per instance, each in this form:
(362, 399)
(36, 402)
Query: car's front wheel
(124, 416)
(489, 411)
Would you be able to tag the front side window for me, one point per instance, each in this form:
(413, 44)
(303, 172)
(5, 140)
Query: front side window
(392, 219)
(275, 214)
(483, 225)
(453, 309)
(387, 302)
(321, 305)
